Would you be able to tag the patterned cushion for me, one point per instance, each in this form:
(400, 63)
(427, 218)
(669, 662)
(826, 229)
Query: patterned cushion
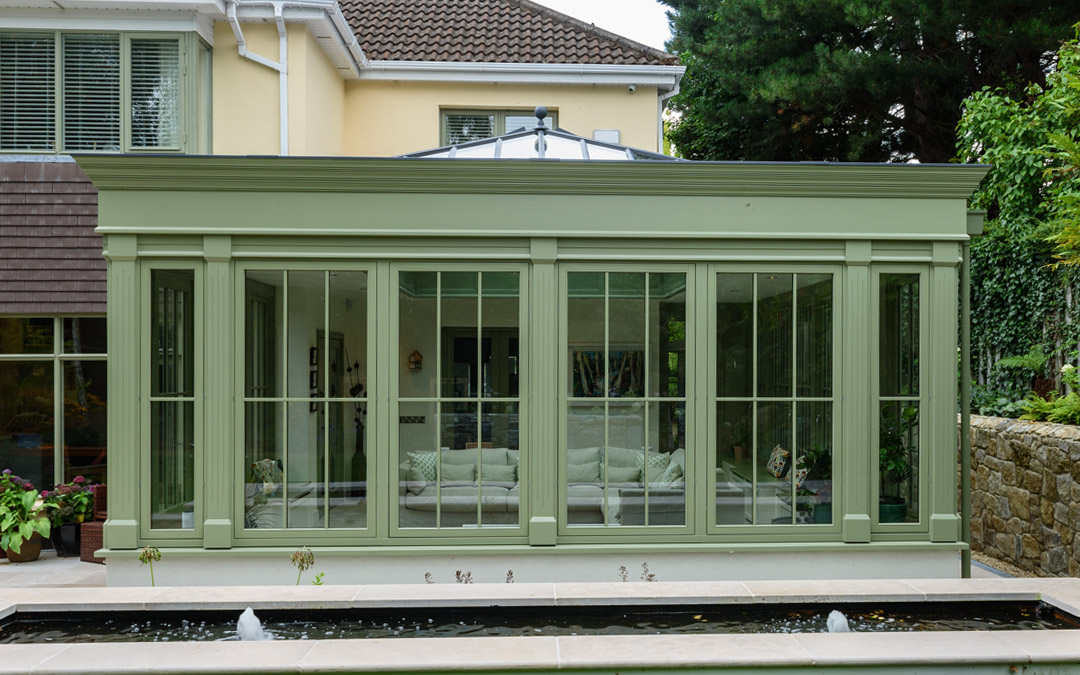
(425, 462)
(657, 463)
(671, 473)
(778, 462)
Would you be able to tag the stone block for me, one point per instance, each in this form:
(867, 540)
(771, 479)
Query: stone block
(997, 524)
(982, 475)
(1056, 459)
(1018, 502)
(1032, 481)
(1057, 561)
(994, 483)
(1074, 516)
(1046, 512)
(1050, 538)
(1030, 546)
(1004, 543)
(1014, 526)
(1061, 513)
(1074, 471)
(1048, 491)
(1063, 481)
(1008, 473)
(976, 530)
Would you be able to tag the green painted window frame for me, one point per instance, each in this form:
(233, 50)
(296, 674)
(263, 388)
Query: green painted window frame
(457, 535)
(58, 358)
(927, 422)
(771, 532)
(376, 483)
(193, 130)
(167, 537)
(500, 115)
(568, 533)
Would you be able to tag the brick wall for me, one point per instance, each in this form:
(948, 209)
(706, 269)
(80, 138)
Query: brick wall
(50, 257)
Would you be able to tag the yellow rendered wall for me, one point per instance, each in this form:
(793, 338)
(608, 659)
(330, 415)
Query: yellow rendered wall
(246, 97)
(316, 98)
(390, 118)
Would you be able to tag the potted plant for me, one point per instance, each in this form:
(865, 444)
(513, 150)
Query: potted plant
(72, 504)
(23, 518)
(815, 463)
(894, 461)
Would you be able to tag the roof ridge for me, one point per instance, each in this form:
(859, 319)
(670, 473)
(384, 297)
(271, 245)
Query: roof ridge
(592, 28)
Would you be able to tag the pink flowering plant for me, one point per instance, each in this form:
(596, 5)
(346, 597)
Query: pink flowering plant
(22, 513)
(73, 502)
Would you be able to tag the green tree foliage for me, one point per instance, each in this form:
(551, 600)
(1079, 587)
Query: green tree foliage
(847, 80)
(1020, 297)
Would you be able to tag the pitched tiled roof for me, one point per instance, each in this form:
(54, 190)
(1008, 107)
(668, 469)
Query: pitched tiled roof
(51, 258)
(493, 31)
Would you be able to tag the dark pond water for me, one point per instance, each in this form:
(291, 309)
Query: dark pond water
(344, 624)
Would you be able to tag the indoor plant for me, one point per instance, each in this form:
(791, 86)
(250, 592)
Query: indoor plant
(816, 488)
(894, 461)
(23, 518)
(72, 504)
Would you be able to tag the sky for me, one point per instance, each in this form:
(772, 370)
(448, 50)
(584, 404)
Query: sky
(642, 20)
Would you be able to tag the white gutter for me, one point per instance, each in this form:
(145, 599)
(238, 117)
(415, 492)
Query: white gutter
(664, 78)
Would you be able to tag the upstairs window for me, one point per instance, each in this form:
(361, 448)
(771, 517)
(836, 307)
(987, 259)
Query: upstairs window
(87, 92)
(462, 126)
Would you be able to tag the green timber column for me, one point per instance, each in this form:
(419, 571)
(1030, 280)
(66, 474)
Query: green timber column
(219, 455)
(944, 290)
(859, 420)
(543, 411)
(122, 528)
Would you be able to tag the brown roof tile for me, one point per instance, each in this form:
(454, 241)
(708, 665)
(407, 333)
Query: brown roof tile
(506, 31)
(50, 257)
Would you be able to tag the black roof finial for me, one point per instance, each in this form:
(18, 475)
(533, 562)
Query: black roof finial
(541, 113)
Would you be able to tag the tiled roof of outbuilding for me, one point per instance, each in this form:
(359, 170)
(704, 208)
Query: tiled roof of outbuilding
(51, 257)
(492, 31)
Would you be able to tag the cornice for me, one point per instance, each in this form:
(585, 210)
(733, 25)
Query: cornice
(348, 175)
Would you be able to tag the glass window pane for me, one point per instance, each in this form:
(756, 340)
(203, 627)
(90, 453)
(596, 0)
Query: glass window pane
(734, 335)
(172, 328)
(465, 127)
(264, 457)
(585, 429)
(264, 308)
(664, 474)
(898, 462)
(499, 465)
(348, 324)
(813, 331)
(417, 306)
(460, 352)
(626, 335)
(307, 326)
(306, 465)
(899, 335)
(734, 464)
(458, 463)
(623, 463)
(172, 465)
(667, 334)
(500, 349)
(348, 465)
(26, 420)
(27, 91)
(155, 93)
(814, 462)
(84, 420)
(84, 336)
(26, 335)
(91, 93)
(773, 458)
(585, 332)
(418, 455)
(774, 294)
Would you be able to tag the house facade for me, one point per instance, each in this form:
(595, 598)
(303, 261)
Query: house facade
(216, 77)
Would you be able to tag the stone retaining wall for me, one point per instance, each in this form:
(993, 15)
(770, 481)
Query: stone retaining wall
(1025, 494)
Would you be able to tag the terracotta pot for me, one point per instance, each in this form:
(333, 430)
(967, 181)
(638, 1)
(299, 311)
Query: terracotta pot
(30, 550)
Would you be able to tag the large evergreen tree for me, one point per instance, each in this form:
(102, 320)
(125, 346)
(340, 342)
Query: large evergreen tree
(850, 80)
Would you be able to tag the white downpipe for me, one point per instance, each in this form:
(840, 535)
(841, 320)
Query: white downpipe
(661, 102)
(281, 65)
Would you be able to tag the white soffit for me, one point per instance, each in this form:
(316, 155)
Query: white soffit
(115, 15)
(664, 78)
(326, 23)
